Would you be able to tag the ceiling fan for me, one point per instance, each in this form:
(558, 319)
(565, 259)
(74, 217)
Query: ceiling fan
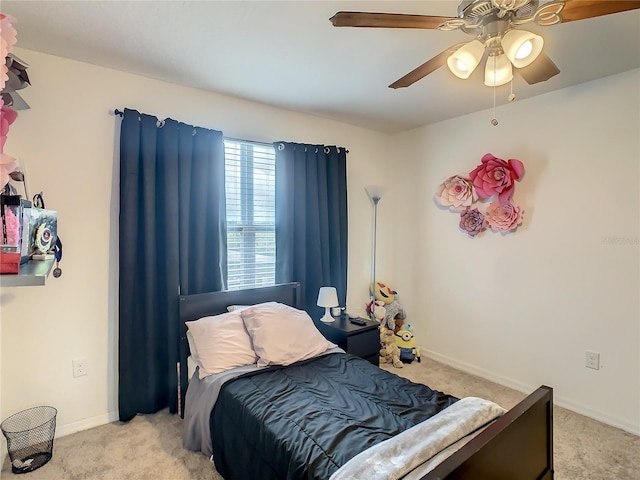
(495, 24)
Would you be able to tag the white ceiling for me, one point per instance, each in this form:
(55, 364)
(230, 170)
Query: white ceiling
(287, 53)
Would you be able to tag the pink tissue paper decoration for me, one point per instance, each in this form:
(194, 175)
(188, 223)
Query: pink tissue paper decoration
(11, 226)
(456, 192)
(503, 217)
(7, 163)
(7, 117)
(8, 39)
(494, 176)
(473, 222)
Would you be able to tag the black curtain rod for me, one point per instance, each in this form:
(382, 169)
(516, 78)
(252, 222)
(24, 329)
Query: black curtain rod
(121, 114)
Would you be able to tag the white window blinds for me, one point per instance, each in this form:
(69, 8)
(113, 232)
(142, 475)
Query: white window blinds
(250, 196)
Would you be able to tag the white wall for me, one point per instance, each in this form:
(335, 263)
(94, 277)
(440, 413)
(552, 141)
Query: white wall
(68, 142)
(523, 308)
(520, 309)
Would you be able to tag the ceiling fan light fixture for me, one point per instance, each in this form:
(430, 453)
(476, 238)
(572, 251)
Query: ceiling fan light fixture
(497, 71)
(464, 61)
(522, 47)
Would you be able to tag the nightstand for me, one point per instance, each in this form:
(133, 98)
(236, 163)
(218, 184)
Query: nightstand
(360, 340)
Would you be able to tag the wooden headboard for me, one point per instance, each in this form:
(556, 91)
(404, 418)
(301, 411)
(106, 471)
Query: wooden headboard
(193, 307)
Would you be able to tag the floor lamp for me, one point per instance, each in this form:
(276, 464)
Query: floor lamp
(375, 193)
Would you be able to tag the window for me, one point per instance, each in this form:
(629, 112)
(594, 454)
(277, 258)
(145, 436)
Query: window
(250, 196)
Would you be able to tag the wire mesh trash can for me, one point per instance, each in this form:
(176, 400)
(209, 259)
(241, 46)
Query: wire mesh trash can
(29, 436)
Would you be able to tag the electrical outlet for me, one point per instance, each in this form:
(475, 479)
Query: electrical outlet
(592, 360)
(79, 367)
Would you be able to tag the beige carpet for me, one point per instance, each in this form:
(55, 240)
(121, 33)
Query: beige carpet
(150, 447)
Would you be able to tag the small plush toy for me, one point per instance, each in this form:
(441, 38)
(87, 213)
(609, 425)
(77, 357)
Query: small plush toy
(406, 342)
(383, 293)
(389, 351)
(393, 311)
(376, 311)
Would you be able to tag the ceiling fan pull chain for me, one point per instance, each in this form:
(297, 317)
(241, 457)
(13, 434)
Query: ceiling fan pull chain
(494, 120)
(512, 96)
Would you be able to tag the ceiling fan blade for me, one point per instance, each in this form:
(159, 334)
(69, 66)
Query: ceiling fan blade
(580, 9)
(426, 68)
(387, 20)
(541, 70)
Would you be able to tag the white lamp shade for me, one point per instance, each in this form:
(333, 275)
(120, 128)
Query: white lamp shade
(464, 61)
(498, 71)
(522, 47)
(375, 192)
(327, 297)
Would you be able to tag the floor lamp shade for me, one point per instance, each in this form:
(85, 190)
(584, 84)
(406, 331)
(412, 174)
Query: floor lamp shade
(327, 298)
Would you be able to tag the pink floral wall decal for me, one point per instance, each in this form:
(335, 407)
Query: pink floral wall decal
(472, 222)
(494, 176)
(503, 217)
(492, 181)
(7, 41)
(456, 192)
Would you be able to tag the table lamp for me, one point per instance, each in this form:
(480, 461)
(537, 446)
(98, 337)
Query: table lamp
(327, 298)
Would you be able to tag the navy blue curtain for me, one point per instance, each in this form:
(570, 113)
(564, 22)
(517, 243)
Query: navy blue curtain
(311, 219)
(172, 241)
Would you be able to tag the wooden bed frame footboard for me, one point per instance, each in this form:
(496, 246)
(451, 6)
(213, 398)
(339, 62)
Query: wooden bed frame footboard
(516, 446)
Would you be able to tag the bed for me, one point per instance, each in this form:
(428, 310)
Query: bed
(253, 433)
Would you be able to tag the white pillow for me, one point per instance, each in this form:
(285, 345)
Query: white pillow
(236, 308)
(221, 342)
(192, 348)
(282, 335)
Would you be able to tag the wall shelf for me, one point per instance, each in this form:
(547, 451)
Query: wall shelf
(32, 274)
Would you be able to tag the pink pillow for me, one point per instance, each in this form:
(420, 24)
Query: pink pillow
(282, 335)
(221, 342)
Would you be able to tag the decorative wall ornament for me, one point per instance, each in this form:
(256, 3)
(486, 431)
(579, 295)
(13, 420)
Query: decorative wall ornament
(13, 76)
(7, 41)
(494, 176)
(505, 216)
(473, 222)
(456, 192)
(484, 198)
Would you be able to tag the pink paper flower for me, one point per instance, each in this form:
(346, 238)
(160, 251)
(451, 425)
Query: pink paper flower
(456, 192)
(7, 165)
(472, 222)
(494, 176)
(7, 41)
(504, 217)
(7, 117)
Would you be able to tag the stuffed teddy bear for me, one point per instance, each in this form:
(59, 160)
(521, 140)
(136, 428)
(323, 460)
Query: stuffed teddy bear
(389, 351)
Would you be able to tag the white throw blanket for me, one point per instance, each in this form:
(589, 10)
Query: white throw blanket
(398, 456)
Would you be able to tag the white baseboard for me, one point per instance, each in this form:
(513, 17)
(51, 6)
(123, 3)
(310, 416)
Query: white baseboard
(526, 388)
(85, 424)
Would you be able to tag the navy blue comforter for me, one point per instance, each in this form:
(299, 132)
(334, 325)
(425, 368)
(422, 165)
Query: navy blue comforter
(306, 420)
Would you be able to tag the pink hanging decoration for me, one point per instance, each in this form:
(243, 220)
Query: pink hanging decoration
(7, 117)
(8, 38)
